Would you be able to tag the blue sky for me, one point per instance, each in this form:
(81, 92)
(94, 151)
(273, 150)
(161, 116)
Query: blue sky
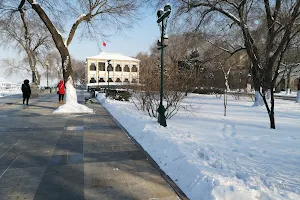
(137, 39)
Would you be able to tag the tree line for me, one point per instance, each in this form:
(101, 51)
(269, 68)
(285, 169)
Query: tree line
(212, 40)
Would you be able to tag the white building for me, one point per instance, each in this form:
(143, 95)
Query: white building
(4, 85)
(124, 71)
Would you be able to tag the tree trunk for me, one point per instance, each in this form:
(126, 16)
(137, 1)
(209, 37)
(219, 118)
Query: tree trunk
(271, 113)
(258, 99)
(67, 66)
(272, 120)
(298, 97)
(58, 40)
(288, 83)
(227, 84)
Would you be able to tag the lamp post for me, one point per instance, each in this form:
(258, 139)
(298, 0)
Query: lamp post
(85, 79)
(162, 19)
(47, 65)
(108, 70)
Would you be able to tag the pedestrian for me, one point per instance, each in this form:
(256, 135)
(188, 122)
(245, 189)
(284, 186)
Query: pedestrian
(26, 91)
(61, 91)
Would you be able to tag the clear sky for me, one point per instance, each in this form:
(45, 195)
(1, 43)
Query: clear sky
(135, 40)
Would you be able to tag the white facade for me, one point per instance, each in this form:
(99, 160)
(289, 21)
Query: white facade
(125, 70)
(4, 85)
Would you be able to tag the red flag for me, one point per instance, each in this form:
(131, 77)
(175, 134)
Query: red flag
(104, 44)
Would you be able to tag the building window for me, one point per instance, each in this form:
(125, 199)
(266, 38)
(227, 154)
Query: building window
(118, 68)
(101, 66)
(110, 68)
(93, 67)
(126, 80)
(118, 80)
(93, 80)
(133, 80)
(110, 80)
(126, 68)
(134, 68)
(101, 80)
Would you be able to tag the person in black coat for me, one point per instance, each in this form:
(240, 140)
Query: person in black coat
(26, 91)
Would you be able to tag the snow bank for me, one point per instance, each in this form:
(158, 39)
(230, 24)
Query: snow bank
(210, 156)
(71, 105)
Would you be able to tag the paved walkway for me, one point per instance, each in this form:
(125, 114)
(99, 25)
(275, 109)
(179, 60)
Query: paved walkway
(47, 156)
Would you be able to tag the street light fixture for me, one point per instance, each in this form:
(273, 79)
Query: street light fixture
(162, 19)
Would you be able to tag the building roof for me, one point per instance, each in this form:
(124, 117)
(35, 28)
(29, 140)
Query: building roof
(112, 56)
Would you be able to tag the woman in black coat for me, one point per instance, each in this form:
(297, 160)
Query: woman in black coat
(26, 91)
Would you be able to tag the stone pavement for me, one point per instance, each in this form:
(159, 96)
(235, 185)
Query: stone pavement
(46, 156)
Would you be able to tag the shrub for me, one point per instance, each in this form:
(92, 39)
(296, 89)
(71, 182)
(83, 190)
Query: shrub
(209, 91)
(118, 95)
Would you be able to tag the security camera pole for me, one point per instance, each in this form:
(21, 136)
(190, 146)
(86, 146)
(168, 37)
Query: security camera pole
(162, 15)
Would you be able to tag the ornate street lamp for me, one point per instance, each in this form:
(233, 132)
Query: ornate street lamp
(162, 19)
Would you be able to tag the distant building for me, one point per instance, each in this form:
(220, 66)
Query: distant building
(4, 85)
(124, 71)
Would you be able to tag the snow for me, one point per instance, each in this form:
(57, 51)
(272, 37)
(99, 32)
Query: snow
(112, 56)
(210, 156)
(284, 93)
(80, 17)
(4, 93)
(65, 65)
(71, 105)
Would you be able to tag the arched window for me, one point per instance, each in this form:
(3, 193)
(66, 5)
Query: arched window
(134, 68)
(133, 80)
(93, 67)
(126, 80)
(118, 68)
(110, 80)
(110, 68)
(101, 66)
(93, 80)
(126, 68)
(101, 80)
(118, 80)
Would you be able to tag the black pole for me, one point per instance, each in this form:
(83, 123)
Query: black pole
(161, 109)
(98, 77)
(108, 80)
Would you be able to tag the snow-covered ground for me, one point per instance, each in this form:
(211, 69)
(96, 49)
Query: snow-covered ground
(4, 93)
(210, 156)
(284, 93)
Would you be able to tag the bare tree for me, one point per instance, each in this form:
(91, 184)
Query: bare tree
(79, 71)
(277, 18)
(147, 94)
(290, 68)
(94, 13)
(30, 37)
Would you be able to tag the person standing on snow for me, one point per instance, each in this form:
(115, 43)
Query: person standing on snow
(26, 91)
(61, 91)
